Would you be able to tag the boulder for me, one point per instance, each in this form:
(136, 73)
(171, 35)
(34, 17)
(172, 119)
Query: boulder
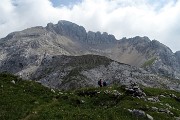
(13, 82)
(138, 113)
(135, 90)
(154, 108)
(149, 117)
(153, 99)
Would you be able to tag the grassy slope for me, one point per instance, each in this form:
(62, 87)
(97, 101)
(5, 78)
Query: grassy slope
(149, 62)
(28, 100)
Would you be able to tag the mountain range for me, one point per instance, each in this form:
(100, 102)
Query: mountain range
(66, 56)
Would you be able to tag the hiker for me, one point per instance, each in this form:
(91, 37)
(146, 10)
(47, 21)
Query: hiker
(100, 83)
(104, 83)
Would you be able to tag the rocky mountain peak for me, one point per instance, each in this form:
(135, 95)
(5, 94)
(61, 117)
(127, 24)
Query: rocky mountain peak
(135, 40)
(161, 47)
(177, 54)
(140, 39)
(23, 52)
(68, 29)
(79, 33)
(100, 38)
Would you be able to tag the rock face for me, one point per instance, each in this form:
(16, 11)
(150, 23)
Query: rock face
(71, 72)
(26, 52)
(151, 55)
(79, 33)
(177, 54)
(137, 51)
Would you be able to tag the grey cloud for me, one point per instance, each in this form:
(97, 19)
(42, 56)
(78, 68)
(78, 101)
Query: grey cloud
(157, 20)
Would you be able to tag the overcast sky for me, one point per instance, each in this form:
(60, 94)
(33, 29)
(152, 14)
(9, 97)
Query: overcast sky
(157, 19)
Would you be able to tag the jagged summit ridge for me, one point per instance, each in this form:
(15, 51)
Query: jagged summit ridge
(79, 33)
(23, 52)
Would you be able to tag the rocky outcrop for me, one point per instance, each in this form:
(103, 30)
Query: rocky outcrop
(177, 54)
(76, 32)
(152, 55)
(98, 38)
(72, 72)
(166, 62)
(140, 113)
(69, 29)
(135, 90)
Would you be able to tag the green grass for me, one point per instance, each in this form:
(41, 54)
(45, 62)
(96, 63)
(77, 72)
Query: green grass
(88, 61)
(27, 100)
(17, 100)
(149, 62)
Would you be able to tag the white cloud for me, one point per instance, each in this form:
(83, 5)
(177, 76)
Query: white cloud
(123, 18)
